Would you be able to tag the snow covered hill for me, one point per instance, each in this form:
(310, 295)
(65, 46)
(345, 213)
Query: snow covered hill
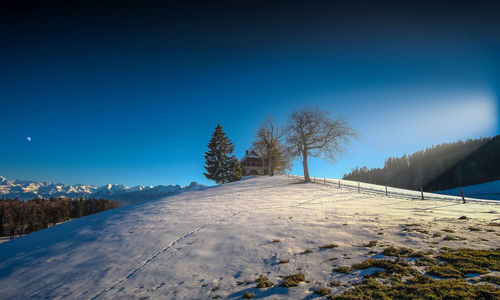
(214, 242)
(487, 190)
(26, 190)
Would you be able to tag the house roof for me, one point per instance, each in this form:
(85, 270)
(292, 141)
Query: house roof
(251, 154)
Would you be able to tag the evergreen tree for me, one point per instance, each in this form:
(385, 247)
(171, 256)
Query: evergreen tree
(220, 165)
(237, 171)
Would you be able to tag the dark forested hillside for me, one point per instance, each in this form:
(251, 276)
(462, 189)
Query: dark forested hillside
(21, 217)
(440, 167)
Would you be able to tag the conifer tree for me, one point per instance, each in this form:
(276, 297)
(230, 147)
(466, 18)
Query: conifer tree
(237, 171)
(220, 165)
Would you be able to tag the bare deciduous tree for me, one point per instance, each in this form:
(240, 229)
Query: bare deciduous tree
(311, 132)
(268, 142)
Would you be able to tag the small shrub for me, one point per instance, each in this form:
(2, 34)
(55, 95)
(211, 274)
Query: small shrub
(463, 218)
(247, 295)
(437, 234)
(308, 251)
(371, 244)
(493, 224)
(474, 228)
(276, 241)
(292, 280)
(214, 289)
(448, 230)
(284, 261)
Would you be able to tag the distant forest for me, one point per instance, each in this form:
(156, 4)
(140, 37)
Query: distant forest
(19, 217)
(441, 167)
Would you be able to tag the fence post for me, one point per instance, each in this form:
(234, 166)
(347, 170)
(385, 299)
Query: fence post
(339, 184)
(358, 186)
(422, 192)
(386, 190)
(462, 194)
(324, 180)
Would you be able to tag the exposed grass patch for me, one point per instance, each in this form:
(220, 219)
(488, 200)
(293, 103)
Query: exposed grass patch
(437, 234)
(342, 269)
(491, 279)
(390, 267)
(334, 283)
(426, 261)
(284, 261)
(308, 251)
(292, 280)
(397, 252)
(463, 218)
(474, 228)
(275, 241)
(433, 289)
(453, 238)
(371, 244)
(333, 258)
(401, 280)
(247, 295)
(423, 231)
(322, 291)
(443, 271)
(214, 289)
(470, 260)
(493, 224)
(328, 246)
(263, 282)
(448, 230)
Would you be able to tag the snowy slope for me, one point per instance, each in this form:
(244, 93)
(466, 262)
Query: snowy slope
(26, 190)
(487, 190)
(205, 243)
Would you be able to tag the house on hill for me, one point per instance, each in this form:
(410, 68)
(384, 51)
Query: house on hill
(253, 164)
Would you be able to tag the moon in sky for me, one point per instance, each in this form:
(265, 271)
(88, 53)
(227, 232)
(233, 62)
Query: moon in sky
(29, 139)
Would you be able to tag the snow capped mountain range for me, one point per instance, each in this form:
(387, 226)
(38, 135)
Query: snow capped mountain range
(26, 190)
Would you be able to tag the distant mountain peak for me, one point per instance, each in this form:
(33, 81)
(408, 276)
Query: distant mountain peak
(26, 190)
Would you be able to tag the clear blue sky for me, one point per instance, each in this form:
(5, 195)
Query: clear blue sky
(130, 93)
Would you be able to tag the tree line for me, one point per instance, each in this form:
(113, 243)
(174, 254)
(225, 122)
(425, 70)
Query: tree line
(22, 217)
(309, 132)
(440, 167)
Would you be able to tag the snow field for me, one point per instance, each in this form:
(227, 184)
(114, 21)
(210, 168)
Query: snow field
(215, 242)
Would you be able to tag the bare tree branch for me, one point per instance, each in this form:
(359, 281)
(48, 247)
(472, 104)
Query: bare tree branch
(310, 132)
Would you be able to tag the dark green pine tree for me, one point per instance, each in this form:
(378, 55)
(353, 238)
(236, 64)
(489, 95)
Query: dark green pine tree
(237, 171)
(220, 165)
